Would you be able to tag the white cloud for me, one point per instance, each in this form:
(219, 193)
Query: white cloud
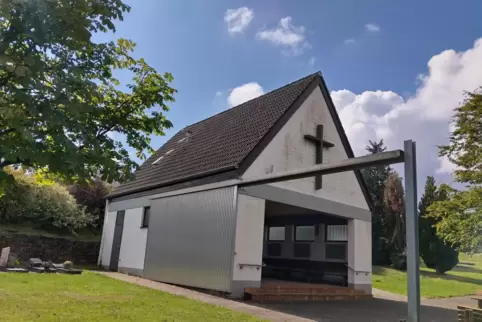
(312, 61)
(244, 93)
(218, 94)
(372, 27)
(287, 36)
(424, 117)
(445, 166)
(238, 19)
(349, 41)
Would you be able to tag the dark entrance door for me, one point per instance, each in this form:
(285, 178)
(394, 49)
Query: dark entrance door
(116, 242)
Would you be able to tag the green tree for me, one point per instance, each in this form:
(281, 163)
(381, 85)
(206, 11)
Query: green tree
(395, 219)
(460, 216)
(60, 105)
(375, 179)
(426, 225)
(435, 252)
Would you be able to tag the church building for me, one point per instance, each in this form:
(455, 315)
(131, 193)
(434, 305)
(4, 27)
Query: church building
(187, 219)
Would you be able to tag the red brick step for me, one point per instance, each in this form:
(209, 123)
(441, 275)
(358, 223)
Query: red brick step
(293, 291)
(266, 297)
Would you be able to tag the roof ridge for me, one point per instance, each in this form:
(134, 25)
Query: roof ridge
(239, 105)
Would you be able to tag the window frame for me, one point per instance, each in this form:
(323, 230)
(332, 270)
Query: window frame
(304, 241)
(145, 224)
(335, 241)
(276, 240)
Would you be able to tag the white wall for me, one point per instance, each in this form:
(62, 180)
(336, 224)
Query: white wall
(360, 254)
(289, 150)
(107, 237)
(249, 238)
(133, 246)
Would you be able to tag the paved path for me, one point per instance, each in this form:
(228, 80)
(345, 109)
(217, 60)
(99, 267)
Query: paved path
(261, 312)
(384, 307)
(449, 302)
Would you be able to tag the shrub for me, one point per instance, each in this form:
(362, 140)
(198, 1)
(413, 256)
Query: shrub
(47, 206)
(92, 195)
(399, 261)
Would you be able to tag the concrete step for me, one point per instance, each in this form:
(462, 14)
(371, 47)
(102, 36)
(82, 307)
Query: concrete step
(286, 291)
(294, 297)
(302, 290)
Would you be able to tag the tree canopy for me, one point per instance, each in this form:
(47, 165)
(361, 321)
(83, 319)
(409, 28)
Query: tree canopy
(459, 216)
(59, 100)
(465, 143)
(395, 219)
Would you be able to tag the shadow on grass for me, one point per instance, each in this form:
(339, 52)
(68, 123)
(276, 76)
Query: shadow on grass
(359, 311)
(467, 269)
(463, 279)
(380, 270)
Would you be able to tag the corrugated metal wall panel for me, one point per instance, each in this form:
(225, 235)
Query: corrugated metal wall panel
(191, 239)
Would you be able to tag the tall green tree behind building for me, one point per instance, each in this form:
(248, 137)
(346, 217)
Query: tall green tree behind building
(375, 179)
(459, 216)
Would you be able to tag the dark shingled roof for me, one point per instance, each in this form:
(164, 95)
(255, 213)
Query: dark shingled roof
(218, 143)
(224, 145)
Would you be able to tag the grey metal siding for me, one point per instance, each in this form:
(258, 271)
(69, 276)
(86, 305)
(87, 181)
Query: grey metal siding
(191, 239)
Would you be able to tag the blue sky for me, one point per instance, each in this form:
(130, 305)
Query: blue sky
(359, 46)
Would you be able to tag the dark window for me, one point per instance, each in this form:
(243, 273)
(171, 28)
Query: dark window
(273, 249)
(302, 250)
(145, 217)
(276, 233)
(304, 233)
(336, 251)
(337, 233)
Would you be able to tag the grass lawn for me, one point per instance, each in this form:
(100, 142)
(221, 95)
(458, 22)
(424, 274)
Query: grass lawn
(93, 297)
(464, 279)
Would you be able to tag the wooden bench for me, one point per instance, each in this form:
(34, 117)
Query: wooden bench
(478, 298)
(468, 314)
(311, 269)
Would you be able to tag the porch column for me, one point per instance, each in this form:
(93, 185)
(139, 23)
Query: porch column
(360, 255)
(248, 250)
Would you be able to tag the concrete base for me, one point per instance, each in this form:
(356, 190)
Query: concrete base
(367, 288)
(131, 271)
(237, 288)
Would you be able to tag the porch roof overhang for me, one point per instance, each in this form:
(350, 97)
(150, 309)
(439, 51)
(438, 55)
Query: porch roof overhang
(302, 200)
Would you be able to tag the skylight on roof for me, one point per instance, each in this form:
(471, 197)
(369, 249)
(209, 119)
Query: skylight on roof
(162, 156)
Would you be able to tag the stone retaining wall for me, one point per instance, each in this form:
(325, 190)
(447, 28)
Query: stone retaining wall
(55, 249)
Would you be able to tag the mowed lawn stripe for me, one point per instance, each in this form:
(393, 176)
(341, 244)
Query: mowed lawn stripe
(93, 297)
(464, 279)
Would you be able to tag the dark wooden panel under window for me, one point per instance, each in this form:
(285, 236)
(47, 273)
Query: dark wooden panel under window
(273, 249)
(335, 251)
(302, 250)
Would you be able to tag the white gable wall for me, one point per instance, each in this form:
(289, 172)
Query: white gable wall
(290, 150)
(133, 245)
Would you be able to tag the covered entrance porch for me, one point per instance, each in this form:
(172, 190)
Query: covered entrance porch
(304, 245)
(290, 244)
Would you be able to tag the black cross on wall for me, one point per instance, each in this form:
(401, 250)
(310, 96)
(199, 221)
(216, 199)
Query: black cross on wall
(319, 144)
